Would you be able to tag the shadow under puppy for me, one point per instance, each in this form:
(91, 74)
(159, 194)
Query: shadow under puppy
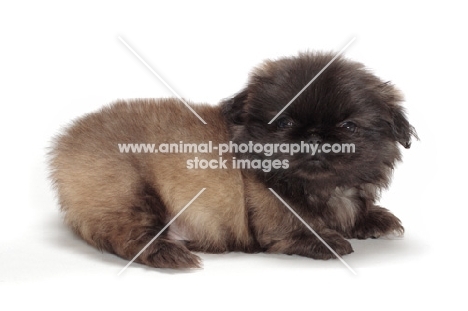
(118, 201)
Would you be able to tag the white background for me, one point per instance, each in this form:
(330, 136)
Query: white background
(59, 61)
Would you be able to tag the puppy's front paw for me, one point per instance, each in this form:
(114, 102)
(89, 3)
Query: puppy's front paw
(335, 241)
(311, 246)
(377, 223)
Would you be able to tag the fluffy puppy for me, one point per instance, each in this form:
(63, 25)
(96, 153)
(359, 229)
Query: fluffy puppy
(118, 201)
(334, 192)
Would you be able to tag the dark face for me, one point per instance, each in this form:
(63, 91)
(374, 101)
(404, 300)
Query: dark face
(345, 106)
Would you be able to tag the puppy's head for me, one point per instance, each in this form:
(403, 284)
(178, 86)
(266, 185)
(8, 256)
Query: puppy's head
(345, 105)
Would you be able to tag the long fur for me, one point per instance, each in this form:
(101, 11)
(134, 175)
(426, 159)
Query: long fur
(119, 201)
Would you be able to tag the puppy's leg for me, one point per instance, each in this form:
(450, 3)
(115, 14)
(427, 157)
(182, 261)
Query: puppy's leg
(376, 222)
(125, 223)
(308, 245)
(140, 223)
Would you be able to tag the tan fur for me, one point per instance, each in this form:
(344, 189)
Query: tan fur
(97, 184)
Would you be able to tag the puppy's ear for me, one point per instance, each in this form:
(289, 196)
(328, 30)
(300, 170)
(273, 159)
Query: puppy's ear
(235, 108)
(402, 130)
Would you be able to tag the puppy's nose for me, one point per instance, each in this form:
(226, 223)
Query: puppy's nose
(315, 139)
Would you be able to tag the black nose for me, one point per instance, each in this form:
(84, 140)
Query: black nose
(315, 139)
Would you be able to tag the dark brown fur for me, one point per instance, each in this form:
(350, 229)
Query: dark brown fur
(119, 201)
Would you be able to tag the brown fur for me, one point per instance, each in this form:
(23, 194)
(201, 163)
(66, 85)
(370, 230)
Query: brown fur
(119, 201)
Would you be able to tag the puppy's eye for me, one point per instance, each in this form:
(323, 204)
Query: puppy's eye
(349, 126)
(284, 122)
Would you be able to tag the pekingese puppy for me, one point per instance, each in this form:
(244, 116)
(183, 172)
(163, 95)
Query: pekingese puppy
(126, 171)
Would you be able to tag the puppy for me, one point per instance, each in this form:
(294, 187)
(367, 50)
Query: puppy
(118, 200)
